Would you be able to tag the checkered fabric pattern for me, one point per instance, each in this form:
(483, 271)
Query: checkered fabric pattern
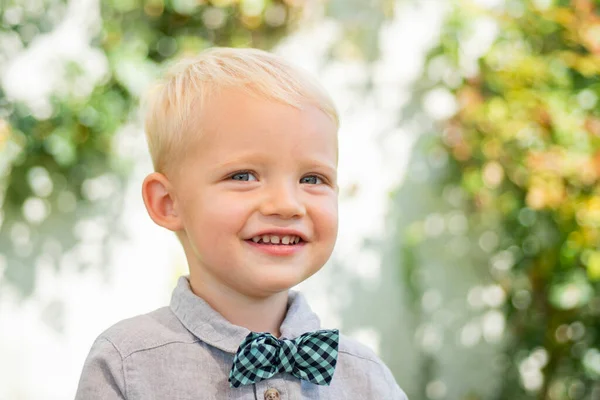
(311, 357)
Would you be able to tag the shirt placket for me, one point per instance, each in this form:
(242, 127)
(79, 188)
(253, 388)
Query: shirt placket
(272, 389)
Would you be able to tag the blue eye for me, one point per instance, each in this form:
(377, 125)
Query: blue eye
(311, 180)
(243, 176)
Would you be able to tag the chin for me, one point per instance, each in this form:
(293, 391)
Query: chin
(274, 284)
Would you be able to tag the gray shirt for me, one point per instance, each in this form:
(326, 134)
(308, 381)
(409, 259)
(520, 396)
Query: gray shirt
(185, 351)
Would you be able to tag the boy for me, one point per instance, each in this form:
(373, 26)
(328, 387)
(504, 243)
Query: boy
(244, 148)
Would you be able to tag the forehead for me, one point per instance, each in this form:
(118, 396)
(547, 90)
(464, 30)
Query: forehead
(236, 124)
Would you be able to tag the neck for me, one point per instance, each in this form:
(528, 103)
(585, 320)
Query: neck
(258, 314)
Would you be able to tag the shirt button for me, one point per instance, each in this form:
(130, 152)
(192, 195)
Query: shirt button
(271, 394)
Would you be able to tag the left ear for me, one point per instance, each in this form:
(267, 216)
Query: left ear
(160, 203)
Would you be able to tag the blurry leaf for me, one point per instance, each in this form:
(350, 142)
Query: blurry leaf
(593, 265)
(573, 292)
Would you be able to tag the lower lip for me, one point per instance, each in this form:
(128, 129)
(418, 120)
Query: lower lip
(277, 249)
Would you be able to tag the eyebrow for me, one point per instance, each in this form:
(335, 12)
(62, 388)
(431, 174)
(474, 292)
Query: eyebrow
(243, 159)
(311, 163)
(332, 169)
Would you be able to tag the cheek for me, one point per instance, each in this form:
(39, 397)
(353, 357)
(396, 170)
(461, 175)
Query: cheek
(220, 217)
(215, 223)
(326, 218)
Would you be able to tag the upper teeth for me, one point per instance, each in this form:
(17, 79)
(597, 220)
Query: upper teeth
(276, 239)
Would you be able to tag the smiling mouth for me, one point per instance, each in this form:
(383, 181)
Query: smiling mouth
(271, 245)
(288, 240)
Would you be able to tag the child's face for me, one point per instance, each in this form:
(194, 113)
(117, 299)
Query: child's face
(259, 168)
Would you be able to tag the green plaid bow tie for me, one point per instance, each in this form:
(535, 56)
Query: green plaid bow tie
(311, 357)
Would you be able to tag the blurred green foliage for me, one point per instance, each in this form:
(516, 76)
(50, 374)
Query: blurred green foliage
(60, 165)
(524, 148)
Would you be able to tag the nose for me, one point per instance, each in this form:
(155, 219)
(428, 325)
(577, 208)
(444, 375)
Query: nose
(282, 200)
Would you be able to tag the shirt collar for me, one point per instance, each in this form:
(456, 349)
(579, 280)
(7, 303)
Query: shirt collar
(212, 328)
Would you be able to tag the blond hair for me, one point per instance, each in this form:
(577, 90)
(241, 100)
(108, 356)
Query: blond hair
(172, 103)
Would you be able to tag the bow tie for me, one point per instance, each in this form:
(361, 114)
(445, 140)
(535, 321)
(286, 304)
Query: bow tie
(311, 357)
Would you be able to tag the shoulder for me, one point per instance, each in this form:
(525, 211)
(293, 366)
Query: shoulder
(359, 361)
(359, 352)
(146, 331)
